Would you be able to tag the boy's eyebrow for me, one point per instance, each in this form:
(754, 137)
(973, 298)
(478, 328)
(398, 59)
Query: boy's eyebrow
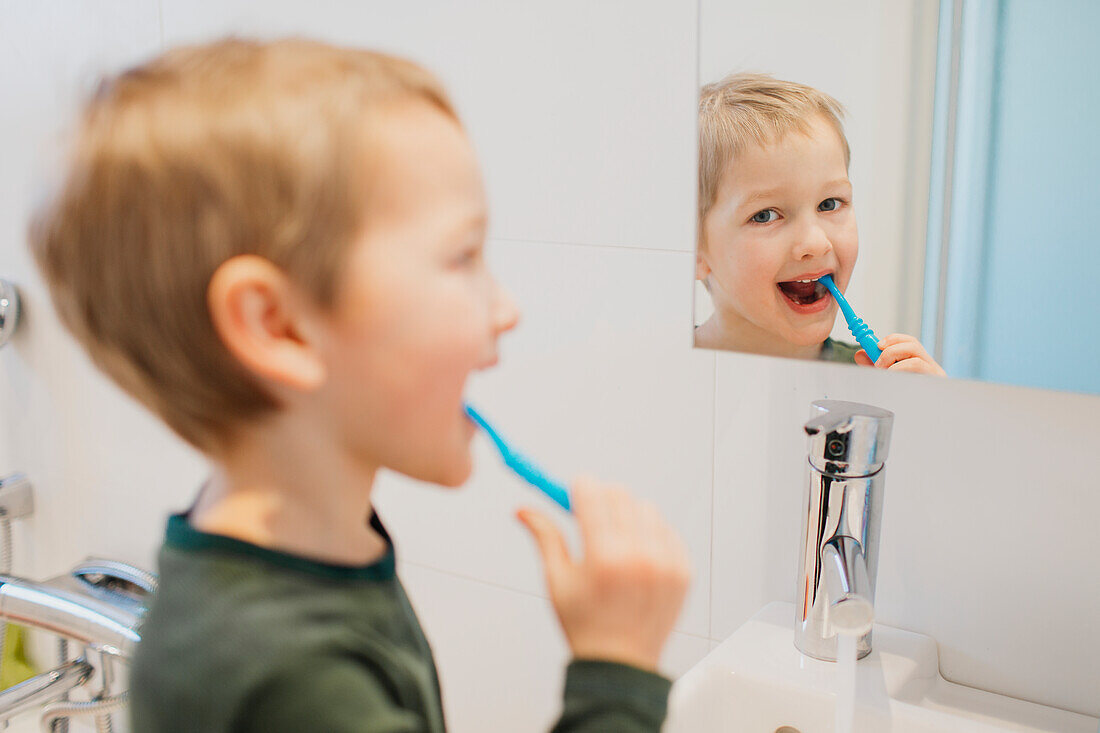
(772, 192)
(757, 195)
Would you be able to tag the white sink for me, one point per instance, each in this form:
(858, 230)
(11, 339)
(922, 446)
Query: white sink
(757, 682)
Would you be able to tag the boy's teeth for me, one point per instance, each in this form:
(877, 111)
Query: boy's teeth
(804, 292)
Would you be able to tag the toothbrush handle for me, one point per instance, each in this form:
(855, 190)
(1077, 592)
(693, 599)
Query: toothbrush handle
(863, 334)
(533, 475)
(523, 467)
(866, 338)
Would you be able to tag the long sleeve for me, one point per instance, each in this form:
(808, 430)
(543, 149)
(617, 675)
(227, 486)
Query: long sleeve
(605, 697)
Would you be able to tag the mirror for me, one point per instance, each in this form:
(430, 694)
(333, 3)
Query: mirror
(962, 213)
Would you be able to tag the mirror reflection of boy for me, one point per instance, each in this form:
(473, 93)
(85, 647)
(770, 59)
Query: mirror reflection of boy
(279, 248)
(775, 214)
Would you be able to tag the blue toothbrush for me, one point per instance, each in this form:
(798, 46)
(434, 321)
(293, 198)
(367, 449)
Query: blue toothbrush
(519, 464)
(863, 333)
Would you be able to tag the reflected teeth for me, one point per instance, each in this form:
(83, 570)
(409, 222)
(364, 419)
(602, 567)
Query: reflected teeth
(805, 281)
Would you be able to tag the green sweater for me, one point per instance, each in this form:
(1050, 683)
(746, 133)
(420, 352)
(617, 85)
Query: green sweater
(838, 351)
(245, 639)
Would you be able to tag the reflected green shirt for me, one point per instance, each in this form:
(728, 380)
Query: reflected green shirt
(838, 351)
(245, 639)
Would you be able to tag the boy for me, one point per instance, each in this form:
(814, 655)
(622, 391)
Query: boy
(775, 214)
(290, 236)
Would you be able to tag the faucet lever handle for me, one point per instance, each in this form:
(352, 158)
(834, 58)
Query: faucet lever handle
(848, 437)
(829, 422)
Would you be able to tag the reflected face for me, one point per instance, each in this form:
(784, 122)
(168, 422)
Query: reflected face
(417, 308)
(782, 217)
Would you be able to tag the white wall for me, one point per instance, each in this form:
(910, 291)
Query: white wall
(584, 116)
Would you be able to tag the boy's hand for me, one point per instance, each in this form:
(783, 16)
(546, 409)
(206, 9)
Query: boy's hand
(902, 353)
(619, 602)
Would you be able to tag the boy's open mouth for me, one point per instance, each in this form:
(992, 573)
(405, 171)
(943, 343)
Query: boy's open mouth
(803, 292)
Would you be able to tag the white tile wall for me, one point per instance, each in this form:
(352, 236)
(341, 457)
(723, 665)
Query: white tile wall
(584, 117)
(500, 652)
(103, 468)
(564, 100)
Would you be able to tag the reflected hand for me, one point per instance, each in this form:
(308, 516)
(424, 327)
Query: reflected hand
(902, 353)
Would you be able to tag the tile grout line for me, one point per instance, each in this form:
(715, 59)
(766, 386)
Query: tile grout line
(528, 594)
(628, 247)
(714, 364)
(472, 579)
(713, 460)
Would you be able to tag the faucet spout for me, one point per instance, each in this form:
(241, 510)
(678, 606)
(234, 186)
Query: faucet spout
(842, 508)
(850, 609)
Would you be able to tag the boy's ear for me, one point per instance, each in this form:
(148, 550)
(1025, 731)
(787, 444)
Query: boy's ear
(264, 321)
(702, 269)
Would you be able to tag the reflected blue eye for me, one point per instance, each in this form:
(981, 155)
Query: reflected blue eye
(764, 217)
(829, 205)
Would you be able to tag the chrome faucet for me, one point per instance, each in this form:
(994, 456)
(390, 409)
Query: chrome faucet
(840, 529)
(100, 607)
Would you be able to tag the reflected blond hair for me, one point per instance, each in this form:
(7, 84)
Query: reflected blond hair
(202, 154)
(753, 109)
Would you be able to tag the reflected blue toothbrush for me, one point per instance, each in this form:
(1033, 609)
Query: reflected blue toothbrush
(521, 465)
(863, 333)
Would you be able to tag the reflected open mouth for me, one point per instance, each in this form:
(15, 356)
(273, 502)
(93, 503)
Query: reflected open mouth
(803, 292)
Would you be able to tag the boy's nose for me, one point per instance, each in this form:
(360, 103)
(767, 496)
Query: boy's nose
(505, 311)
(812, 243)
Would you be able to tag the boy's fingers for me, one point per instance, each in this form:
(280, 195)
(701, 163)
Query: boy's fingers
(622, 511)
(892, 355)
(894, 338)
(912, 364)
(898, 352)
(915, 365)
(862, 359)
(592, 511)
(656, 535)
(551, 543)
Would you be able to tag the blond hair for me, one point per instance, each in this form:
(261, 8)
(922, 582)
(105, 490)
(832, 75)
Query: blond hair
(753, 109)
(202, 154)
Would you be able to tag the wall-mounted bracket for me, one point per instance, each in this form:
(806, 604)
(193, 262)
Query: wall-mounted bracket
(16, 496)
(10, 310)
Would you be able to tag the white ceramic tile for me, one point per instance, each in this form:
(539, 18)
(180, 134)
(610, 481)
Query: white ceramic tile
(53, 55)
(501, 654)
(598, 378)
(104, 471)
(989, 518)
(989, 535)
(583, 113)
(754, 510)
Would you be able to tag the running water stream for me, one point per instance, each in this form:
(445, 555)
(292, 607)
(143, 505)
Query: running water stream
(846, 683)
